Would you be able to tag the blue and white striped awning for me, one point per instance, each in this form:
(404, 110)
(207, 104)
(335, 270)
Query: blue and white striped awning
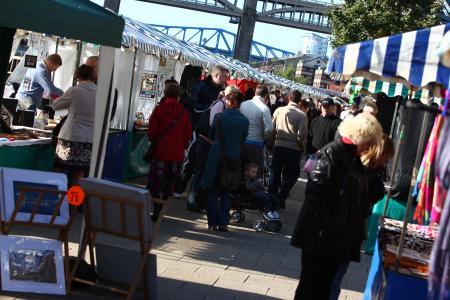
(410, 58)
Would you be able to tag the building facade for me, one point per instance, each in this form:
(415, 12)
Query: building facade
(314, 45)
(322, 80)
(307, 67)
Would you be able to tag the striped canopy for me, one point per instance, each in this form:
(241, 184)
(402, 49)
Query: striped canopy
(409, 58)
(360, 84)
(154, 42)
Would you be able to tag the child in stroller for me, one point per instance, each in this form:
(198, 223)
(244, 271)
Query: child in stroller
(252, 195)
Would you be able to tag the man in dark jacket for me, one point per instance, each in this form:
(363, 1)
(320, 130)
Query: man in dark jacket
(331, 224)
(323, 128)
(207, 91)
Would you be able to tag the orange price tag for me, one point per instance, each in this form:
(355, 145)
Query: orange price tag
(75, 195)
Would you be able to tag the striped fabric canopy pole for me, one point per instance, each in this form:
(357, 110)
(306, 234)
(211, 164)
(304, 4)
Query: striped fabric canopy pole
(409, 58)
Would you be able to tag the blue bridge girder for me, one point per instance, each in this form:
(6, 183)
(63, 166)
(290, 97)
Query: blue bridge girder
(221, 41)
(300, 14)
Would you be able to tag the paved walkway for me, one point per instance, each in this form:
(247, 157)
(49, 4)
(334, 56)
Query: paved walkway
(194, 263)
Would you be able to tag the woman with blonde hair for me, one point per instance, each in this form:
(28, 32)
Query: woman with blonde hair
(331, 225)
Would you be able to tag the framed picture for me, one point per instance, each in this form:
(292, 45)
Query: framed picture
(148, 86)
(13, 179)
(32, 265)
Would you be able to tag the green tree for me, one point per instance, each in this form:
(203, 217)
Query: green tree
(289, 73)
(361, 20)
(303, 80)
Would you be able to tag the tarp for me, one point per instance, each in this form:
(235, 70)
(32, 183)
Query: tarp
(76, 19)
(391, 89)
(409, 58)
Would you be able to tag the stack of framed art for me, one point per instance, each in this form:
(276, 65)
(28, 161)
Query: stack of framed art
(35, 199)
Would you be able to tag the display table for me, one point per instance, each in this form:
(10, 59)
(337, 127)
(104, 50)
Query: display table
(37, 153)
(135, 166)
(385, 284)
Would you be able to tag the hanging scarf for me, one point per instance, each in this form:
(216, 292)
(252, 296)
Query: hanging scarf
(425, 198)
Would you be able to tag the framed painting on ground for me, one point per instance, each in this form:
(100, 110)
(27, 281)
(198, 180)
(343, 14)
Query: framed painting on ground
(32, 265)
(14, 179)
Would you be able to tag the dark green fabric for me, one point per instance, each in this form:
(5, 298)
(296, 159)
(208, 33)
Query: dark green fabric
(35, 157)
(396, 211)
(135, 166)
(75, 19)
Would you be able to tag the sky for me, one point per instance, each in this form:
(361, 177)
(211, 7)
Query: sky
(273, 35)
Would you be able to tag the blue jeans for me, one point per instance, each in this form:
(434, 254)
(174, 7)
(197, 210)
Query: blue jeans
(285, 162)
(335, 289)
(218, 207)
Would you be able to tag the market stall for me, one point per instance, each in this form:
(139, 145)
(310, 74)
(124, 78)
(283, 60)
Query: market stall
(78, 20)
(149, 57)
(410, 59)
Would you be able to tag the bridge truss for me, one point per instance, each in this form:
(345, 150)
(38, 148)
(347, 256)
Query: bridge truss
(221, 41)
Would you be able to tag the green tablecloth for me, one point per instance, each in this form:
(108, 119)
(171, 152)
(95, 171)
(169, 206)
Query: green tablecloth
(396, 210)
(32, 157)
(137, 145)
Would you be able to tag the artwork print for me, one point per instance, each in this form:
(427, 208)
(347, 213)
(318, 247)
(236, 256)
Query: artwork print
(48, 203)
(32, 265)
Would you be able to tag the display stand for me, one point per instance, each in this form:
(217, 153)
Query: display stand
(63, 229)
(385, 284)
(145, 244)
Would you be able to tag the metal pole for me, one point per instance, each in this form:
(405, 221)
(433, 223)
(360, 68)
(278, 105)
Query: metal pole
(56, 52)
(131, 88)
(423, 133)
(77, 62)
(397, 104)
(401, 141)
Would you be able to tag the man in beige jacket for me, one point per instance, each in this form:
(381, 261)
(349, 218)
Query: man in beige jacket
(289, 135)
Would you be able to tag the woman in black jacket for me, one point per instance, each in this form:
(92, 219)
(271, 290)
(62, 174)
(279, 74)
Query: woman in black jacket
(331, 224)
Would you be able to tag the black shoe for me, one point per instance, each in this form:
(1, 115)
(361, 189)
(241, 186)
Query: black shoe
(194, 208)
(223, 228)
(212, 228)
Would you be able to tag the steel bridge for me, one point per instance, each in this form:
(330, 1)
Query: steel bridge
(301, 14)
(221, 41)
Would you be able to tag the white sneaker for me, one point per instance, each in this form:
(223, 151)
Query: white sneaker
(176, 195)
(276, 214)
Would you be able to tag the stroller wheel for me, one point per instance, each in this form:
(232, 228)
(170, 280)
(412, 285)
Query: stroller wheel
(238, 216)
(260, 225)
(273, 226)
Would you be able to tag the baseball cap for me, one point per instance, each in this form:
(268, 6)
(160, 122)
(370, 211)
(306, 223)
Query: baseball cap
(327, 102)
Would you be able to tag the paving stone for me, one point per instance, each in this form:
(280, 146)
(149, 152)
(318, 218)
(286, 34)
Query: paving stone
(282, 292)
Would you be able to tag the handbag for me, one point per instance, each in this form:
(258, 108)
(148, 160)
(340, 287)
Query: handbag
(148, 155)
(229, 171)
(310, 163)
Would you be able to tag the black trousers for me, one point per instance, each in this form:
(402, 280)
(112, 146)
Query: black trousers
(316, 277)
(285, 171)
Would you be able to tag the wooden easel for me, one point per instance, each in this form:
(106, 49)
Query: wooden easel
(63, 235)
(89, 236)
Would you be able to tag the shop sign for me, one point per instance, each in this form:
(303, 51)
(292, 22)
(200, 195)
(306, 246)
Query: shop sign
(30, 61)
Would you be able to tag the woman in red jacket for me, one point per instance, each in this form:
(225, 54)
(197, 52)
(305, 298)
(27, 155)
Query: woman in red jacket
(170, 131)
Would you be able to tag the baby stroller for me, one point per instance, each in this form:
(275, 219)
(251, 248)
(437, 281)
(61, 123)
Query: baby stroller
(242, 200)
